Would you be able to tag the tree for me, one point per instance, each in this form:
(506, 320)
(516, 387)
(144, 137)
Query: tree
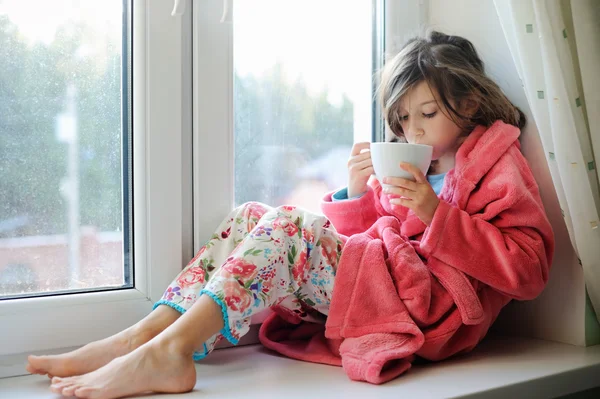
(279, 126)
(31, 161)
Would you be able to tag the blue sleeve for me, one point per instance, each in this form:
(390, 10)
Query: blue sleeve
(342, 195)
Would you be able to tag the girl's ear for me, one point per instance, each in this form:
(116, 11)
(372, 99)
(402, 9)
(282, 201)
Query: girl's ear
(469, 106)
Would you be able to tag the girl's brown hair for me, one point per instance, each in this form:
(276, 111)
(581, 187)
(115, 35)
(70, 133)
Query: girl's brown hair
(451, 66)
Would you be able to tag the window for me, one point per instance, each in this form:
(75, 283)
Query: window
(170, 171)
(64, 148)
(282, 90)
(302, 95)
(82, 106)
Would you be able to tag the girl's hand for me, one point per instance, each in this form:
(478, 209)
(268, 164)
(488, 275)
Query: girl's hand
(360, 168)
(416, 195)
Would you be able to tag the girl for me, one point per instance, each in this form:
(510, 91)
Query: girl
(421, 269)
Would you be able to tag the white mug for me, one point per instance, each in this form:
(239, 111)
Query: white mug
(388, 156)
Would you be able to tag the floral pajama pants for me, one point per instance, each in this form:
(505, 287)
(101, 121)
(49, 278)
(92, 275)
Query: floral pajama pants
(258, 258)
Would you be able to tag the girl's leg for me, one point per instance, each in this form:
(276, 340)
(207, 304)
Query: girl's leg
(164, 364)
(269, 266)
(96, 354)
(178, 297)
(272, 267)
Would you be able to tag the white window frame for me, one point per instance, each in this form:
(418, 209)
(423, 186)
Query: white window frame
(213, 115)
(213, 118)
(162, 201)
(213, 98)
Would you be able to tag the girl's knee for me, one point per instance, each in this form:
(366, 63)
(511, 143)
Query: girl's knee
(250, 214)
(253, 207)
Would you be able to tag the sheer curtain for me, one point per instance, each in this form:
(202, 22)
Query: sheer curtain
(557, 72)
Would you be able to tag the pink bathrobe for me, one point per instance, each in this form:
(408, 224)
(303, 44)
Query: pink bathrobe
(404, 289)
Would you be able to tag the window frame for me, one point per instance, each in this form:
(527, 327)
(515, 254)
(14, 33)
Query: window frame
(174, 213)
(213, 158)
(213, 111)
(162, 200)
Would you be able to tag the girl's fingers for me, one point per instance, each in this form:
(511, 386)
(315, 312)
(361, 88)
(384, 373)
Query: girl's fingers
(366, 156)
(399, 191)
(400, 182)
(368, 171)
(359, 166)
(358, 147)
(408, 203)
(416, 172)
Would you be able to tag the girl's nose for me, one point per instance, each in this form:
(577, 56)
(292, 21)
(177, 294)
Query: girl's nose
(417, 138)
(414, 133)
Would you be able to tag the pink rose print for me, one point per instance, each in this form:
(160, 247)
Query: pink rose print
(194, 275)
(287, 226)
(253, 211)
(300, 267)
(288, 208)
(308, 236)
(240, 269)
(267, 285)
(329, 249)
(199, 254)
(236, 296)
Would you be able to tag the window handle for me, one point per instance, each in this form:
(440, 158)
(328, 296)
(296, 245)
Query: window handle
(178, 7)
(226, 11)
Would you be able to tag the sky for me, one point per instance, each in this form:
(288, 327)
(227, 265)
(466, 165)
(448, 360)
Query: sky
(325, 41)
(48, 15)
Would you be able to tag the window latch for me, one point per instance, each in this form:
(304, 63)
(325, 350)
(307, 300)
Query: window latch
(178, 7)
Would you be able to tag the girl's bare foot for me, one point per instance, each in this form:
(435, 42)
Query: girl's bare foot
(88, 358)
(150, 368)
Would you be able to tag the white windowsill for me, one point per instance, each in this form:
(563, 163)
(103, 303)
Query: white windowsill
(500, 367)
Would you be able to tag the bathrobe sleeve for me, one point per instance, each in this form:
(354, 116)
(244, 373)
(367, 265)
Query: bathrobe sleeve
(501, 238)
(351, 216)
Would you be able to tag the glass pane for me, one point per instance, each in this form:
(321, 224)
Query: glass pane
(62, 146)
(302, 96)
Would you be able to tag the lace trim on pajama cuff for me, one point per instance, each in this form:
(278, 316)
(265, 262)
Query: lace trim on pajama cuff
(169, 304)
(226, 332)
(197, 355)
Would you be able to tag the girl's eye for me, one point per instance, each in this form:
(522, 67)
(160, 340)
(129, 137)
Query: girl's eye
(431, 115)
(404, 118)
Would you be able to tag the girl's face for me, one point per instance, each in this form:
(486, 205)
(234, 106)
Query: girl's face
(423, 121)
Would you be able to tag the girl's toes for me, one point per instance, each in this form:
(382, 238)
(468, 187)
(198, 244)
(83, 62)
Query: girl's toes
(61, 386)
(32, 370)
(56, 389)
(83, 392)
(70, 390)
(56, 380)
